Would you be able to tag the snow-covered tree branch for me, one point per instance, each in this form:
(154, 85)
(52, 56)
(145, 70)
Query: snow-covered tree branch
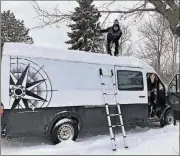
(169, 9)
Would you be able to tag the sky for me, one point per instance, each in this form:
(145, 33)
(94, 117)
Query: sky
(53, 36)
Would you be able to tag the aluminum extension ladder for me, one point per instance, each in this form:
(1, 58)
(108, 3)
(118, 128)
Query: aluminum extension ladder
(112, 135)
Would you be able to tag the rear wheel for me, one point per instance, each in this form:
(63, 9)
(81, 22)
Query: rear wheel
(65, 129)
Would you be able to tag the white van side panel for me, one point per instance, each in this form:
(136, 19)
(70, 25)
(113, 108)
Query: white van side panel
(5, 71)
(77, 83)
(56, 83)
(60, 83)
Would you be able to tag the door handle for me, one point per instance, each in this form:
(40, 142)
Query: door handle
(142, 96)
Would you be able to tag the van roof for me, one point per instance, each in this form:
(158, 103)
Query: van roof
(30, 50)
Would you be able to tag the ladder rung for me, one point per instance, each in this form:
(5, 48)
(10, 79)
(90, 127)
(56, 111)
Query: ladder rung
(109, 84)
(116, 126)
(112, 104)
(107, 75)
(110, 93)
(113, 114)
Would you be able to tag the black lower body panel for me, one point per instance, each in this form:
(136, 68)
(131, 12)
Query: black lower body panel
(93, 118)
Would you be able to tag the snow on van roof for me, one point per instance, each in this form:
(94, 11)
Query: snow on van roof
(30, 50)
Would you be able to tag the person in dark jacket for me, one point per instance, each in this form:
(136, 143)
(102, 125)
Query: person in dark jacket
(152, 85)
(114, 34)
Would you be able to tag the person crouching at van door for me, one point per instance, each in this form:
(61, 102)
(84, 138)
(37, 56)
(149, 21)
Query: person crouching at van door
(151, 91)
(113, 36)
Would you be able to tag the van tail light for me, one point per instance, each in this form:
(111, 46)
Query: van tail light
(2, 110)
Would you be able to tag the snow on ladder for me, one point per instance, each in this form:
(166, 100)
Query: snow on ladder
(109, 115)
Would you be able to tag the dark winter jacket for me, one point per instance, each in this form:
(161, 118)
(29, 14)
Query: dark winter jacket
(117, 34)
(151, 86)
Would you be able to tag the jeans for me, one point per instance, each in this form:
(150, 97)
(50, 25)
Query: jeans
(110, 39)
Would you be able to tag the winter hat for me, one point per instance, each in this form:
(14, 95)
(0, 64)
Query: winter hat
(116, 22)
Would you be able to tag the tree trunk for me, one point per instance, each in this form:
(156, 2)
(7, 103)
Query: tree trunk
(179, 60)
(171, 14)
(159, 63)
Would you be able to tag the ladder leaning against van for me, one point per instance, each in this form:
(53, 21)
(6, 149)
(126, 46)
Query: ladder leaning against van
(109, 115)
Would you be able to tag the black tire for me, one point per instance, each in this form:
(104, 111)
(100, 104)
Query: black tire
(169, 117)
(70, 125)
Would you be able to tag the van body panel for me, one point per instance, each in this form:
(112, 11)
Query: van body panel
(37, 90)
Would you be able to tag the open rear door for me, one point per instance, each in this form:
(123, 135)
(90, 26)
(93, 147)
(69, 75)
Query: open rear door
(174, 95)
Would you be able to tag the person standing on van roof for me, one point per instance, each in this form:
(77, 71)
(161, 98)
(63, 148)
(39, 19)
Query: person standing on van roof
(114, 34)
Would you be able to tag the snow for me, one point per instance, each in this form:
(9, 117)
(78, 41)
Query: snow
(28, 50)
(149, 139)
(167, 6)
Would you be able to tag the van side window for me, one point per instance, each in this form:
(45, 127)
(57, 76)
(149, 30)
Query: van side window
(130, 80)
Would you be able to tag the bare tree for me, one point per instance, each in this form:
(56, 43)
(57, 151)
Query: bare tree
(179, 58)
(125, 41)
(173, 48)
(154, 44)
(159, 46)
(169, 9)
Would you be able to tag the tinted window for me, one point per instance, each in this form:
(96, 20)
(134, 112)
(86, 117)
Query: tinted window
(130, 80)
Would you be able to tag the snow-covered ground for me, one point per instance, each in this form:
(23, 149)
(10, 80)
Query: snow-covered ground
(141, 140)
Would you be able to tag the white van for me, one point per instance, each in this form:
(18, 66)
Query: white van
(58, 93)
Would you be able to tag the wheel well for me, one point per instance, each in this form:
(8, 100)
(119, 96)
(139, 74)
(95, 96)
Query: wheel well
(164, 110)
(74, 119)
(168, 109)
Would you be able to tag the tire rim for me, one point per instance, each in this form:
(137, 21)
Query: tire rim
(170, 119)
(65, 132)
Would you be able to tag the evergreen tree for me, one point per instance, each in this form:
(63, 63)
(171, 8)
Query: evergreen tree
(13, 30)
(84, 35)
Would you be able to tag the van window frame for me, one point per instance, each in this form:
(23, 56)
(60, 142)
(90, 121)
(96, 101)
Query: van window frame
(141, 89)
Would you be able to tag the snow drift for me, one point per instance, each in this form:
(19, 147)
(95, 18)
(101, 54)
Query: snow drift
(141, 140)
